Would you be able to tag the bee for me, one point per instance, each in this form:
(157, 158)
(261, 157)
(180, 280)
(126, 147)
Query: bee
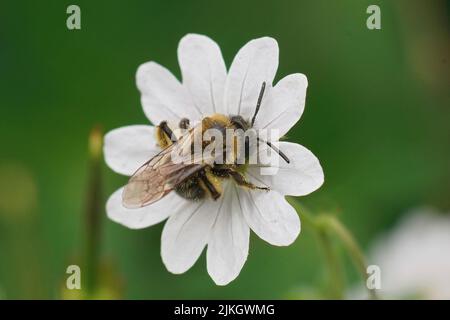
(199, 176)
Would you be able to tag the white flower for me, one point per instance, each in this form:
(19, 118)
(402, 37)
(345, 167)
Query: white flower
(222, 225)
(414, 258)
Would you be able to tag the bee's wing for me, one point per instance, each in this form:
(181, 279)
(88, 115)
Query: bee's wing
(150, 184)
(160, 175)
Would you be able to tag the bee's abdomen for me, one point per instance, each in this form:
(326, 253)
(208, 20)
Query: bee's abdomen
(190, 189)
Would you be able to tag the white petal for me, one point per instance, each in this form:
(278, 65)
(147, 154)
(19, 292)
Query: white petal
(145, 216)
(204, 72)
(285, 104)
(162, 95)
(185, 234)
(270, 216)
(255, 63)
(228, 246)
(127, 148)
(300, 177)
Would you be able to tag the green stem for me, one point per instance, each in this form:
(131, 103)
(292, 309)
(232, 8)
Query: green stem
(352, 248)
(334, 266)
(322, 225)
(335, 272)
(93, 212)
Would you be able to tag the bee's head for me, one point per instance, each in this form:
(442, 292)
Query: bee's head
(240, 123)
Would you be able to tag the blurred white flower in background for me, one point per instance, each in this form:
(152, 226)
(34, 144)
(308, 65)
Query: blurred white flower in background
(414, 258)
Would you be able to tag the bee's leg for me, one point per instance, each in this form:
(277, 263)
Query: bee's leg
(240, 180)
(208, 184)
(237, 177)
(167, 131)
(164, 135)
(184, 123)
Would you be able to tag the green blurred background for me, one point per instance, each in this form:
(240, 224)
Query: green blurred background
(377, 116)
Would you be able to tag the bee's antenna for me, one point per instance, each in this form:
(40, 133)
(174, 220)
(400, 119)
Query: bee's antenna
(282, 155)
(258, 104)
